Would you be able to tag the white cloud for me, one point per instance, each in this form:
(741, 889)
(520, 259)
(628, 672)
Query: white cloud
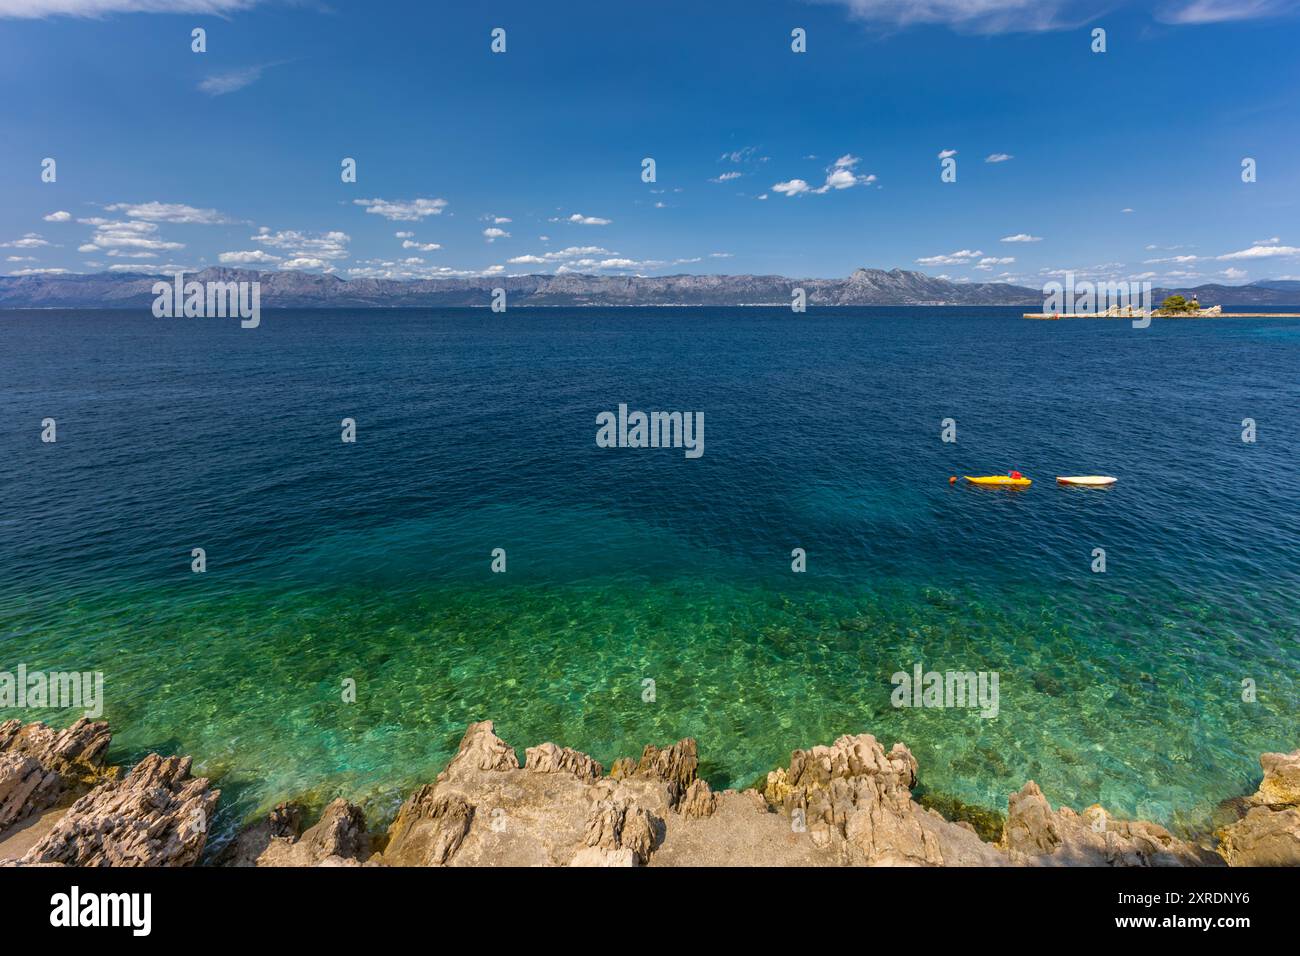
(844, 179)
(998, 157)
(976, 16)
(572, 252)
(585, 220)
(249, 258)
(726, 177)
(1262, 252)
(169, 212)
(947, 153)
(791, 187)
(1021, 237)
(1218, 11)
(1233, 273)
(38, 9)
(403, 210)
(404, 235)
(305, 262)
(219, 84)
(31, 240)
(305, 246)
(20, 259)
(59, 216)
(839, 175)
(492, 234)
(959, 258)
(131, 234)
(1258, 242)
(39, 272)
(422, 246)
(1178, 259)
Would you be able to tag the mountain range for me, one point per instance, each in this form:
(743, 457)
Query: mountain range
(290, 289)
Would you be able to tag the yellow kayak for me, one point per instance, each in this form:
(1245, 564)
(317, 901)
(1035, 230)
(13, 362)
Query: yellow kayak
(1000, 480)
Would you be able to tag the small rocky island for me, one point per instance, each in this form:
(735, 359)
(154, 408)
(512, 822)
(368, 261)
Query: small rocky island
(847, 804)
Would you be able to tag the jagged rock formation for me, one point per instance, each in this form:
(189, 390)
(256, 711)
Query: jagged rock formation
(549, 758)
(1093, 838)
(1269, 833)
(339, 838)
(856, 801)
(156, 816)
(849, 803)
(40, 767)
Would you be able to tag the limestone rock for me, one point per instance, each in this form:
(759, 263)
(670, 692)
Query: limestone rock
(698, 801)
(156, 816)
(284, 823)
(339, 838)
(548, 758)
(1281, 785)
(675, 765)
(430, 826)
(1269, 833)
(75, 750)
(1263, 837)
(1036, 835)
(622, 768)
(482, 749)
(855, 800)
(25, 787)
(40, 766)
(615, 825)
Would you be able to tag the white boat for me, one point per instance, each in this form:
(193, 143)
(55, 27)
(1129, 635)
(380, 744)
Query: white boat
(1087, 481)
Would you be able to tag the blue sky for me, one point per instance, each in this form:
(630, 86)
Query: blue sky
(1118, 164)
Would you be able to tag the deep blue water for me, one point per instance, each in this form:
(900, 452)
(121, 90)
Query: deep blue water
(477, 431)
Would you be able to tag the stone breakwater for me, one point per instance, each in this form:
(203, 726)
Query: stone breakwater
(847, 804)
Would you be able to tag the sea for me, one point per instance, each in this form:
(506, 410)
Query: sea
(349, 623)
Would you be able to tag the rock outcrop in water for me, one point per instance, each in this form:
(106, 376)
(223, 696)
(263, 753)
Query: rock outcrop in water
(847, 804)
(339, 838)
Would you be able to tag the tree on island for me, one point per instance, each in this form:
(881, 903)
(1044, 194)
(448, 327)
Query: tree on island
(1176, 303)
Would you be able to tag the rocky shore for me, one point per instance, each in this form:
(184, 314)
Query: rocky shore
(847, 804)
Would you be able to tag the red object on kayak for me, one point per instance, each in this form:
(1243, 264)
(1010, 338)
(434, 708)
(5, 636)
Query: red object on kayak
(1016, 474)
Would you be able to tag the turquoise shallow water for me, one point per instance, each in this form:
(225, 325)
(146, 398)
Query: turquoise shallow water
(371, 561)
